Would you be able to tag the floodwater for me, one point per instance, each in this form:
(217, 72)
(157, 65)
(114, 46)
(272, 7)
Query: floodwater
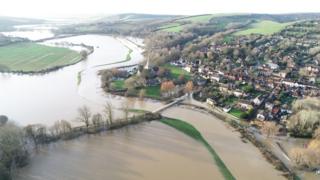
(244, 160)
(149, 151)
(30, 99)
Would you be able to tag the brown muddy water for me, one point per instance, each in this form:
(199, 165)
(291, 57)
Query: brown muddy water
(149, 151)
(244, 160)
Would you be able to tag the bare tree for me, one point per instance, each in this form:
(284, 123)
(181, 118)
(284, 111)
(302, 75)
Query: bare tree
(84, 115)
(270, 129)
(97, 120)
(189, 87)
(316, 134)
(142, 93)
(108, 111)
(126, 109)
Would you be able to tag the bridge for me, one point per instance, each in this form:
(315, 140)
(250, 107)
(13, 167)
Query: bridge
(176, 101)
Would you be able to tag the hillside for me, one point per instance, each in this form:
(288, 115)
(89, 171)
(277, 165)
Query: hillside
(7, 23)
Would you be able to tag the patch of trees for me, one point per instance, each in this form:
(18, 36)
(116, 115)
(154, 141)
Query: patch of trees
(13, 149)
(308, 157)
(306, 117)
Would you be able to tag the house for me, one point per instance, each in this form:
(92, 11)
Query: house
(188, 68)
(273, 66)
(245, 105)
(258, 100)
(269, 106)
(261, 115)
(238, 93)
(152, 82)
(227, 109)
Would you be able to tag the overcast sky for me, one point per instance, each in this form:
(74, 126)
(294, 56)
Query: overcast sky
(68, 8)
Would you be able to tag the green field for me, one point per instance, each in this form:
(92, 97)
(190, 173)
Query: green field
(177, 71)
(237, 113)
(199, 19)
(118, 85)
(192, 132)
(174, 29)
(153, 92)
(32, 57)
(264, 27)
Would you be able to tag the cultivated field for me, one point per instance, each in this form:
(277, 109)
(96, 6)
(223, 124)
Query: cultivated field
(32, 57)
(264, 27)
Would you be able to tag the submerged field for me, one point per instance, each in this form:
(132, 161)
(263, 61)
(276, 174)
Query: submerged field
(32, 57)
(264, 27)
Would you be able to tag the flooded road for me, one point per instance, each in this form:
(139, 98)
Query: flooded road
(141, 152)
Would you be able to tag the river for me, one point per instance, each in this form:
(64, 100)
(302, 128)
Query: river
(29, 99)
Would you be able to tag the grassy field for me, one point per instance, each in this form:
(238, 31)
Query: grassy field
(237, 113)
(177, 71)
(199, 19)
(153, 92)
(177, 28)
(32, 57)
(118, 85)
(263, 27)
(191, 131)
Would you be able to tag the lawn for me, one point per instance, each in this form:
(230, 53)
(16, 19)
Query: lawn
(264, 27)
(177, 71)
(192, 132)
(237, 113)
(32, 57)
(118, 84)
(153, 92)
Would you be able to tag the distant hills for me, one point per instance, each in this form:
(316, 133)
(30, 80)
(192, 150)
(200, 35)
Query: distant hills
(7, 23)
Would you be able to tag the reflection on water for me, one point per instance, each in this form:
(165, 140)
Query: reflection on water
(143, 152)
(54, 96)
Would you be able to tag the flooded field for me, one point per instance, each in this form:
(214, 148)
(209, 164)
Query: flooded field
(142, 152)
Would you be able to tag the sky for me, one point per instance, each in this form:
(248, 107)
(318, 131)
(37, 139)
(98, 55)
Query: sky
(70, 8)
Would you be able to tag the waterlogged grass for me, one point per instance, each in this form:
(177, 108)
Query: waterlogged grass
(191, 131)
(32, 57)
(264, 27)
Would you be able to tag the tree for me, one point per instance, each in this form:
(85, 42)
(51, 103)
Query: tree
(13, 147)
(97, 120)
(189, 87)
(84, 54)
(316, 134)
(3, 120)
(126, 110)
(84, 115)
(167, 87)
(108, 112)
(142, 94)
(270, 129)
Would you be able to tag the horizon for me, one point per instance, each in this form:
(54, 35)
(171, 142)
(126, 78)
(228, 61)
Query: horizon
(48, 9)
